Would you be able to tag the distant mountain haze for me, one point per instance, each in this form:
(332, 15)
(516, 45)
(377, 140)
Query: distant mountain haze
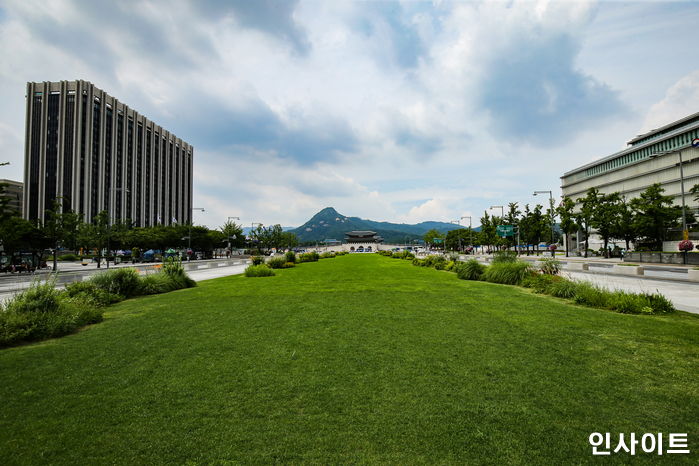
(330, 224)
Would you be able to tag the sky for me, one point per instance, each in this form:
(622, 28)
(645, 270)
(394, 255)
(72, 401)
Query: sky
(399, 111)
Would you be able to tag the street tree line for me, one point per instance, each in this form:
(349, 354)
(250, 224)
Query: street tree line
(643, 221)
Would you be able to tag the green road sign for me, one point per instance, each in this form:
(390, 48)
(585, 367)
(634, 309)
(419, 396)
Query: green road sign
(438, 240)
(506, 230)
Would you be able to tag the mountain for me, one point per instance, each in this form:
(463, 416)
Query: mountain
(330, 224)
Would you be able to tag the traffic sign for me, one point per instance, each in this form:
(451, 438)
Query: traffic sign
(695, 142)
(505, 230)
(438, 240)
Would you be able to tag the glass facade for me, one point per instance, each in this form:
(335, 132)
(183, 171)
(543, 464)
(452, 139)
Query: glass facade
(68, 138)
(35, 159)
(99, 155)
(51, 167)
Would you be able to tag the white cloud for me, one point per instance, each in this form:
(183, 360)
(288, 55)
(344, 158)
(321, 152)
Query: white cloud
(392, 111)
(681, 100)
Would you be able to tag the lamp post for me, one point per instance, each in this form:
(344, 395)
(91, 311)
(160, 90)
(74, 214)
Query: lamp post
(458, 222)
(252, 227)
(229, 235)
(470, 230)
(684, 218)
(191, 216)
(551, 202)
(109, 219)
(502, 211)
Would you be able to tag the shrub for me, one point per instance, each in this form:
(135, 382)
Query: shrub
(288, 265)
(277, 262)
(257, 260)
(538, 282)
(454, 257)
(327, 255)
(38, 298)
(309, 257)
(90, 293)
(470, 270)
(396, 255)
(550, 266)
(508, 273)
(290, 256)
(123, 281)
(440, 265)
(68, 257)
(450, 266)
(38, 313)
(261, 270)
(504, 257)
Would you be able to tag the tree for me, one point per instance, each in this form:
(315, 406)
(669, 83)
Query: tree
(605, 217)
(234, 234)
(568, 224)
(695, 191)
(455, 238)
(290, 240)
(587, 210)
(626, 224)
(655, 213)
(53, 229)
(431, 235)
(275, 234)
(512, 218)
(489, 230)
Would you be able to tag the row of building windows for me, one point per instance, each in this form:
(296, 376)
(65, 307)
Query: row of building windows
(641, 154)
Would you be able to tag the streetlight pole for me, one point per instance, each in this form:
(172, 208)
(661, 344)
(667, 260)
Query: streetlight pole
(191, 216)
(109, 219)
(552, 217)
(458, 222)
(229, 233)
(470, 230)
(252, 227)
(502, 211)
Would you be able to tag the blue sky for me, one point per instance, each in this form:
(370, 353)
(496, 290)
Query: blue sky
(393, 111)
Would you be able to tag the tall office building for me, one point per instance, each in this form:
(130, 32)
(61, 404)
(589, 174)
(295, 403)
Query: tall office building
(95, 152)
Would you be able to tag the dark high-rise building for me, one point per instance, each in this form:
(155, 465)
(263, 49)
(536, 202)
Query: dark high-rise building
(91, 150)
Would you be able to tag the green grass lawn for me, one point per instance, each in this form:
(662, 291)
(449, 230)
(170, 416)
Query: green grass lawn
(354, 360)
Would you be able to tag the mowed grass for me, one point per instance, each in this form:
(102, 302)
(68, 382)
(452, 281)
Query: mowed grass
(353, 360)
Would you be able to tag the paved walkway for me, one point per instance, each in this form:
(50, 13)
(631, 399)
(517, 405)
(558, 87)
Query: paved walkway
(668, 279)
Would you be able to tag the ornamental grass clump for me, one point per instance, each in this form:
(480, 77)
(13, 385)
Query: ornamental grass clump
(172, 268)
(470, 270)
(550, 266)
(508, 273)
(120, 281)
(504, 257)
(327, 255)
(261, 270)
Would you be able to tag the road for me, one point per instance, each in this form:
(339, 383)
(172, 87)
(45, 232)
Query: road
(669, 280)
